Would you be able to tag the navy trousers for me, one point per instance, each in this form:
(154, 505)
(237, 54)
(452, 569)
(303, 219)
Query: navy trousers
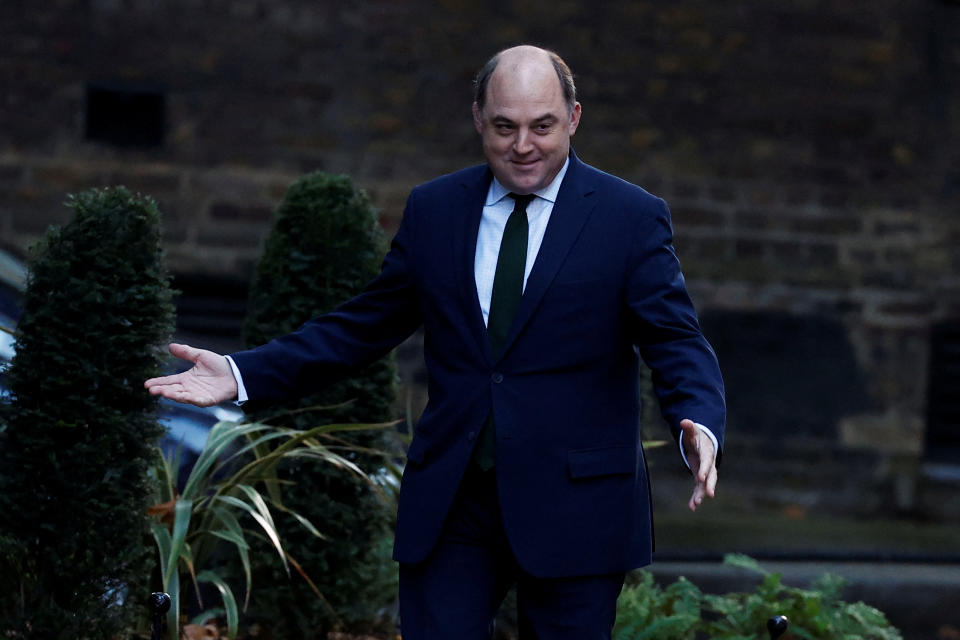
(454, 594)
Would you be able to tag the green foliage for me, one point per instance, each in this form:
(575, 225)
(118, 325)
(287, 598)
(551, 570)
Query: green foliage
(645, 611)
(326, 244)
(80, 429)
(221, 495)
(682, 611)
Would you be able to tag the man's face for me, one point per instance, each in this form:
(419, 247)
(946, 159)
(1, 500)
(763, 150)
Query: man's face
(525, 125)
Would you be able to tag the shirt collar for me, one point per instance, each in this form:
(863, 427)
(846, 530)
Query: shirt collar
(498, 192)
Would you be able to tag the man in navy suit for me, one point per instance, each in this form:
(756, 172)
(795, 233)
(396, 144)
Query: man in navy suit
(526, 467)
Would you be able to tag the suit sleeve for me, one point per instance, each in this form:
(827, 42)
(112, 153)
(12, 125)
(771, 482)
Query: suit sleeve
(351, 336)
(686, 375)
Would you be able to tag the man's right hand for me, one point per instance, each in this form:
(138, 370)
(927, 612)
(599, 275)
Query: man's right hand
(209, 382)
(703, 462)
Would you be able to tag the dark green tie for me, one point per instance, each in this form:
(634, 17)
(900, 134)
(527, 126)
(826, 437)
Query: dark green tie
(504, 301)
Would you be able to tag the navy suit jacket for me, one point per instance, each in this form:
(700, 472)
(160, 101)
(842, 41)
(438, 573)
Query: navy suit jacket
(606, 285)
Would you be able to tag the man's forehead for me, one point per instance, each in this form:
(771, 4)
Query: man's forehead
(516, 115)
(525, 105)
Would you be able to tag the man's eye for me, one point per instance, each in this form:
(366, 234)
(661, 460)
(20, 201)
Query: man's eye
(504, 128)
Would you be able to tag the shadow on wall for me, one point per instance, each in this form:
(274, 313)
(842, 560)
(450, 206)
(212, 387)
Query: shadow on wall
(784, 371)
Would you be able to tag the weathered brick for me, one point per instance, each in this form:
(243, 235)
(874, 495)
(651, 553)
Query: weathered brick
(746, 249)
(863, 256)
(788, 253)
(10, 174)
(833, 225)
(759, 196)
(900, 256)
(277, 189)
(709, 248)
(902, 308)
(695, 216)
(894, 279)
(758, 220)
(685, 189)
(174, 233)
(847, 306)
(240, 237)
(896, 227)
(69, 177)
(798, 195)
(644, 138)
(723, 193)
(824, 255)
(40, 218)
(232, 212)
(147, 181)
(835, 198)
(906, 199)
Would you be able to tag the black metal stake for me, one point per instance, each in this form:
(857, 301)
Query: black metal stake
(159, 605)
(777, 626)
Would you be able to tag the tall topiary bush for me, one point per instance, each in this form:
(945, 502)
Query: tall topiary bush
(75, 558)
(325, 246)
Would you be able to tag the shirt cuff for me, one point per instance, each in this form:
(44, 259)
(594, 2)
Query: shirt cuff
(242, 390)
(713, 438)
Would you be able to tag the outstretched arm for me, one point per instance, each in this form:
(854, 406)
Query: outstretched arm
(703, 462)
(209, 382)
(686, 376)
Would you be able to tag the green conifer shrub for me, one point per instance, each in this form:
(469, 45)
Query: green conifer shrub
(325, 245)
(75, 553)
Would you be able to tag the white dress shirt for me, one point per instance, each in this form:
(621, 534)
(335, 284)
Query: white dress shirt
(496, 212)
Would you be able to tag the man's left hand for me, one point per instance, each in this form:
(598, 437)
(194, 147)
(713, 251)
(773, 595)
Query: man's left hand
(703, 462)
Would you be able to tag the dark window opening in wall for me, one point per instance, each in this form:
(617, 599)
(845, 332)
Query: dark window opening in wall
(125, 115)
(786, 375)
(210, 311)
(943, 408)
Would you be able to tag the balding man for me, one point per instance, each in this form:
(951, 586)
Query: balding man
(537, 280)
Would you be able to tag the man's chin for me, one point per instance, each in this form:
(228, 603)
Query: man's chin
(523, 183)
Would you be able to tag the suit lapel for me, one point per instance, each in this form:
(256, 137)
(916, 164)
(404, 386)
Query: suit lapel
(570, 212)
(469, 210)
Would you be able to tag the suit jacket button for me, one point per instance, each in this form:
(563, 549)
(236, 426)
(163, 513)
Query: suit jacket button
(471, 436)
(497, 378)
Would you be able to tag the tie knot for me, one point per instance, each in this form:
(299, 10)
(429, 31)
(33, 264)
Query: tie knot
(521, 201)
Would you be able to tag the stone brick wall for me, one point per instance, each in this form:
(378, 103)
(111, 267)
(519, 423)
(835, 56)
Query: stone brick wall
(810, 150)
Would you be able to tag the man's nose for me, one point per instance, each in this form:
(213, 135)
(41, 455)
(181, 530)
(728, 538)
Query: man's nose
(522, 144)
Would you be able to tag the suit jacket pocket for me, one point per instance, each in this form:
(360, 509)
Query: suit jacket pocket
(602, 461)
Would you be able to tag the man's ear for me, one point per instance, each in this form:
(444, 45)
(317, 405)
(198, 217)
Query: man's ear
(477, 119)
(574, 118)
